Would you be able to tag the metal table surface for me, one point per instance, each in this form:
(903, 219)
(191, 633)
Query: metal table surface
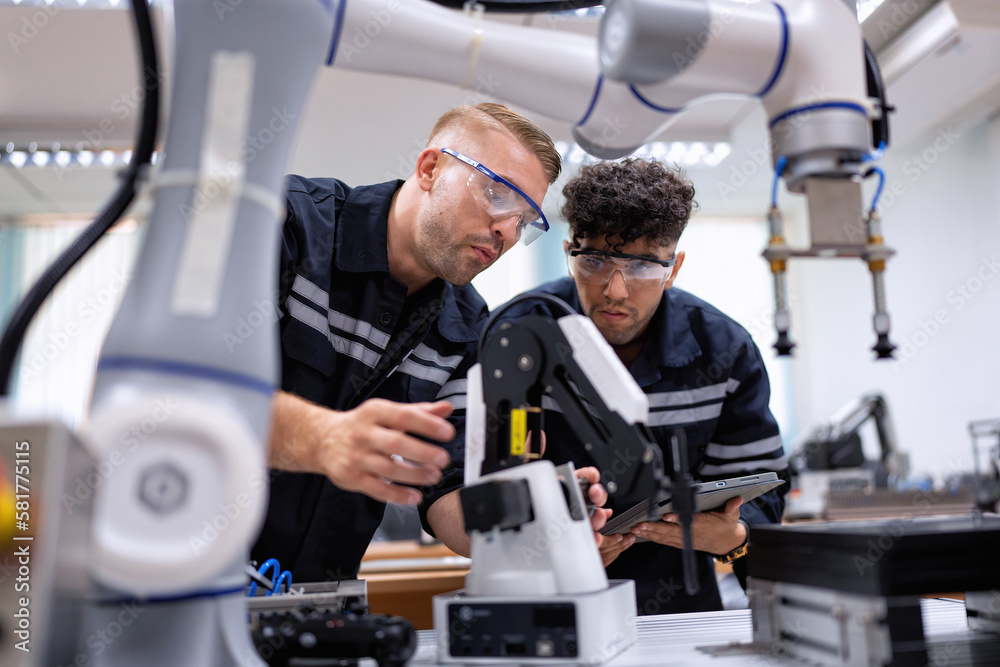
(674, 639)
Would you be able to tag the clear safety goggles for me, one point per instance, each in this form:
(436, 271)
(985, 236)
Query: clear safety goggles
(596, 267)
(502, 200)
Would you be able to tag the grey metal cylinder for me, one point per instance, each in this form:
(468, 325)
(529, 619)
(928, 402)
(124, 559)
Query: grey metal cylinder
(649, 41)
(817, 143)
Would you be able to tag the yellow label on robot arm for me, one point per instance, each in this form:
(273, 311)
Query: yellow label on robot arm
(518, 431)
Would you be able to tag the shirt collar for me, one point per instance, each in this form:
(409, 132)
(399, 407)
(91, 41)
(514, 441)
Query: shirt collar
(671, 342)
(366, 212)
(451, 323)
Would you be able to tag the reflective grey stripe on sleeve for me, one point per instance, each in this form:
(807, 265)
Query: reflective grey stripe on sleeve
(458, 401)
(310, 317)
(306, 315)
(455, 393)
(309, 290)
(664, 399)
(773, 465)
(358, 328)
(421, 351)
(411, 367)
(745, 451)
(671, 417)
(453, 388)
(306, 288)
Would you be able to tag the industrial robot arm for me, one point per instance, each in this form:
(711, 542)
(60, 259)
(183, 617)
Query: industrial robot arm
(805, 60)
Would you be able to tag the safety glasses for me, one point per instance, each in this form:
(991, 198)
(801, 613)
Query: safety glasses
(597, 266)
(502, 200)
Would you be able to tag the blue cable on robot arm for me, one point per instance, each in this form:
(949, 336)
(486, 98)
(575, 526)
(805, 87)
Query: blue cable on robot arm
(283, 578)
(268, 564)
(779, 169)
(881, 186)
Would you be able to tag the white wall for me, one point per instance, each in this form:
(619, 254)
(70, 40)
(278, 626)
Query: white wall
(944, 222)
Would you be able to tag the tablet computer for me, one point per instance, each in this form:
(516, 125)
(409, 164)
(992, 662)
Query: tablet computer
(707, 496)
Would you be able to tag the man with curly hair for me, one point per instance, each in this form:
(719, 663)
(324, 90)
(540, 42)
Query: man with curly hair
(702, 372)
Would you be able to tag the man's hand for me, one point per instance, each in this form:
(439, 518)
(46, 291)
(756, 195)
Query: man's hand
(712, 532)
(609, 545)
(361, 449)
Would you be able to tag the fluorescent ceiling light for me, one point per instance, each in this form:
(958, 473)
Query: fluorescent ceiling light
(692, 154)
(55, 157)
(933, 30)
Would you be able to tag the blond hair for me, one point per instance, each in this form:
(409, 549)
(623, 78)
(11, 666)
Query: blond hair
(530, 135)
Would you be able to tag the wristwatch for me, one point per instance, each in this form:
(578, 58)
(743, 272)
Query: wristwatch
(738, 552)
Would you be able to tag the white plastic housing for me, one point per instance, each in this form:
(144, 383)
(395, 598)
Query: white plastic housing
(185, 494)
(554, 554)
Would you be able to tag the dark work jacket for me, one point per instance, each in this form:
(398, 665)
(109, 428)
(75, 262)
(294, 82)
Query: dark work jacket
(349, 333)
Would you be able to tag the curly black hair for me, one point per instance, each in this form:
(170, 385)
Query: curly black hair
(628, 200)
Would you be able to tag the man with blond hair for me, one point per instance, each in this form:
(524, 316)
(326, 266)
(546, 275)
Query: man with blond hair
(378, 328)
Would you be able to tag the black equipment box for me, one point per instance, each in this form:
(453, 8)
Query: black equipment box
(910, 555)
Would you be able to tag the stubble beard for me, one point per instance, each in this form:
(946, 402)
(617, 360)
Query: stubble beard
(448, 260)
(617, 335)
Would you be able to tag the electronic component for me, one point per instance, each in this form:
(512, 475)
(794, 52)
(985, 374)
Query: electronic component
(325, 639)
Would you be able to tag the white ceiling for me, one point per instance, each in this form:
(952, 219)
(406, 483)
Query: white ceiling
(77, 74)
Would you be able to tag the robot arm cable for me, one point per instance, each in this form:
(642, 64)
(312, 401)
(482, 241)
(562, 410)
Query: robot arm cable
(26, 310)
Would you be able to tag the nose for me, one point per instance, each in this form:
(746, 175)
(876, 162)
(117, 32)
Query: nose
(616, 289)
(505, 230)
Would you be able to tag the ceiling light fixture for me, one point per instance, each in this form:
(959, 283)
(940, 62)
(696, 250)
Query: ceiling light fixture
(691, 154)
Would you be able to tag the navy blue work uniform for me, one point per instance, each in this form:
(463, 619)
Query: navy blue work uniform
(701, 372)
(348, 333)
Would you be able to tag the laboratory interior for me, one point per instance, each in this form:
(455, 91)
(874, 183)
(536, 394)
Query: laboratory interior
(364, 332)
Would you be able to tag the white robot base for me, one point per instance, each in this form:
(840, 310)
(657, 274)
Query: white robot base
(580, 628)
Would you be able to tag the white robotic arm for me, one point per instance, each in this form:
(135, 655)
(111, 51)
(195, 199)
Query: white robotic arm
(654, 58)
(804, 59)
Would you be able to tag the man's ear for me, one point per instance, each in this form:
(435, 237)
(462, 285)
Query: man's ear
(565, 245)
(676, 269)
(428, 167)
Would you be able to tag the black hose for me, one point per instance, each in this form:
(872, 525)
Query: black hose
(876, 88)
(13, 334)
(524, 6)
